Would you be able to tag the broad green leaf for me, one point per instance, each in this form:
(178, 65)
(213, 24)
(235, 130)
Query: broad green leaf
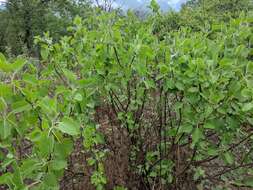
(185, 129)
(5, 178)
(58, 164)
(48, 105)
(18, 64)
(179, 85)
(78, 97)
(246, 93)
(247, 107)
(63, 149)
(44, 53)
(31, 79)
(196, 136)
(149, 84)
(69, 126)
(71, 76)
(21, 106)
(50, 180)
(141, 69)
(170, 85)
(44, 144)
(9, 67)
(5, 67)
(209, 125)
(29, 166)
(226, 62)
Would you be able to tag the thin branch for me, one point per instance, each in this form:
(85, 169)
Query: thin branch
(231, 169)
(229, 149)
(117, 56)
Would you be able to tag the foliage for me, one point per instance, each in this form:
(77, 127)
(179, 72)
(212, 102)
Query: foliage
(183, 100)
(22, 20)
(196, 13)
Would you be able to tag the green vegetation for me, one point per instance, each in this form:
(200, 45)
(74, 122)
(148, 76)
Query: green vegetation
(176, 87)
(22, 20)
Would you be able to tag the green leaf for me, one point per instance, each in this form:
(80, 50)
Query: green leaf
(248, 182)
(250, 67)
(170, 85)
(179, 85)
(29, 78)
(199, 172)
(247, 107)
(18, 64)
(226, 62)
(78, 20)
(44, 53)
(20, 106)
(246, 93)
(50, 180)
(141, 69)
(9, 67)
(209, 125)
(58, 164)
(164, 69)
(5, 67)
(154, 6)
(185, 129)
(78, 97)
(44, 144)
(2, 58)
(193, 89)
(149, 84)
(196, 136)
(91, 161)
(250, 120)
(212, 151)
(48, 105)
(17, 178)
(229, 158)
(99, 138)
(29, 166)
(69, 126)
(71, 76)
(5, 129)
(5, 178)
(63, 149)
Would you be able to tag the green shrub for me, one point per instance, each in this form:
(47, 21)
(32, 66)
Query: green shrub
(185, 102)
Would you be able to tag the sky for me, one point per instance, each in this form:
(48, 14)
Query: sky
(142, 4)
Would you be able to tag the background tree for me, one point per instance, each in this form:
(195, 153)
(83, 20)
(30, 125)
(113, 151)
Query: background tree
(25, 19)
